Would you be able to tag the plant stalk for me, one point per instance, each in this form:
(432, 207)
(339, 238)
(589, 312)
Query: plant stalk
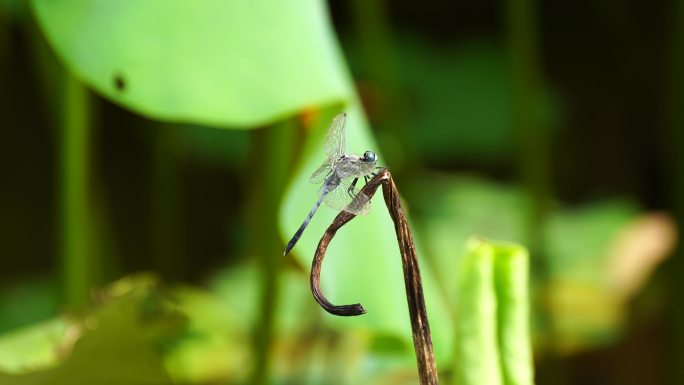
(77, 265)
(422, 340)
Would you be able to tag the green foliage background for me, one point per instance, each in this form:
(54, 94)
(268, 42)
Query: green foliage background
(158, 159)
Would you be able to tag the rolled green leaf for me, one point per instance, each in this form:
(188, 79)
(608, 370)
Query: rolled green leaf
(477, 351)
(493, 339)
(511, 264)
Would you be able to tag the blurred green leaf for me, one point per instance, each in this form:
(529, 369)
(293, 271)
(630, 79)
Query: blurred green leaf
(33, 348)
(455, 208)
(29, 300)
(240, 64)
(458, 100)
(463, 101)
(12, 9)
(217, 343)
(118, 343)
(221, 327)
(579, 237)
(583, 302)
(586, 310)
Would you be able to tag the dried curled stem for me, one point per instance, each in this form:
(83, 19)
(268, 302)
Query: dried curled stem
(422, 341)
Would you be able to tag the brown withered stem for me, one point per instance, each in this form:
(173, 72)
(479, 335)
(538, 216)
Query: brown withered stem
(422, 341)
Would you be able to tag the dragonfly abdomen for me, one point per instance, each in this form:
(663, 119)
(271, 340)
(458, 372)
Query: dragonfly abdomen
(300, 231)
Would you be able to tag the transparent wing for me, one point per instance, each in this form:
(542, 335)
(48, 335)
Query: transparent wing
(334, 143)
(360, 205)
(353, 167)
(347, 199)
(321, 173)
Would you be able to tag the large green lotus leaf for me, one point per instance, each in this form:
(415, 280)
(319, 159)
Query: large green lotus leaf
(362, 263)
(234, 63)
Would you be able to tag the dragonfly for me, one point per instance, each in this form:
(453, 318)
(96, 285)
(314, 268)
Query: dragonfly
(338, 176)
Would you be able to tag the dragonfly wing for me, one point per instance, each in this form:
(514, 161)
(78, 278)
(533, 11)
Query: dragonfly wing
(345, 198)
(360, 205)
(335, 144)
(321, 173)
(353, 167)
(337, 199)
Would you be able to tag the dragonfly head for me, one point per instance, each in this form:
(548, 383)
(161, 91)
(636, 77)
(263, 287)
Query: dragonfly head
(369, 156)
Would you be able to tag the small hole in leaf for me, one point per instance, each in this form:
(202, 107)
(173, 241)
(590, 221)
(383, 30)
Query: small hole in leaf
(119, 82)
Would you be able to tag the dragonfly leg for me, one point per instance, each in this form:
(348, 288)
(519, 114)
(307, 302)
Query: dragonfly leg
(365, 178)
(350, 190)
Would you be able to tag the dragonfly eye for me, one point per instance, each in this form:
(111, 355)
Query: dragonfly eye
(370, 156)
